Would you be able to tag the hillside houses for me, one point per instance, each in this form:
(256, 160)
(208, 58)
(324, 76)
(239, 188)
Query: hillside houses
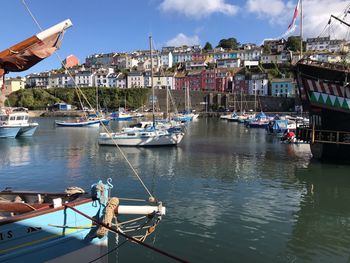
(216, 70)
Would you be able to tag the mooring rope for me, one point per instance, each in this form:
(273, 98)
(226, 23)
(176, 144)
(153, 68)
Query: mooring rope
(80, 92)
(128, 237)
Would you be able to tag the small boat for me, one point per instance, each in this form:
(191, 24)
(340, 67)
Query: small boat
(62, 227)
(260, 121)
(97, 116)
(233, 117)
(184, 118)
(14, 122)
(83, 122)
(142, 138)
(224, 117)
(120, 116)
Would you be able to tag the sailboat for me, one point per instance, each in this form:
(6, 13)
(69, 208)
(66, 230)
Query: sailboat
(71, 225)
(150, 136)
(188, 115)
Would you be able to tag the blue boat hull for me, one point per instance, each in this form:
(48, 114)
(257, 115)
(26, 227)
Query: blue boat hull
(57, 236)
(9, 132)
(121, 118)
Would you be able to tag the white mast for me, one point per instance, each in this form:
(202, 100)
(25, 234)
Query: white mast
(301, 28)
(150, 47)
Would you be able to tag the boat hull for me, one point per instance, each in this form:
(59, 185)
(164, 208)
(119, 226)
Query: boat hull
(28, 131)
(171, 139)
(326, 95)
(52, 235)
(92, 124)
(9, 132)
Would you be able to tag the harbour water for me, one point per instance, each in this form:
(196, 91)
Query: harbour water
(232, 194)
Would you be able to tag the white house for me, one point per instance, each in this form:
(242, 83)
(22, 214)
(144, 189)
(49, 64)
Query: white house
(228, 63)
(121, 81)
(100, 77)
(249, 54)
(163, 81)
(84, 78)
(166, 59)
(135, 79)
(258, 84)
(40, 80)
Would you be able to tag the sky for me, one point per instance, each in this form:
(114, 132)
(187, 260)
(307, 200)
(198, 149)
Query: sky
(103, 26)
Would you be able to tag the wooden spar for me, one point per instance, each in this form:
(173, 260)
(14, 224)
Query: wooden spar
(20, 207)
(36, 38)
(139, 210)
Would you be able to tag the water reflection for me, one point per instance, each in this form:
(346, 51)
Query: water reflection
(229, 191)
(322, 229)
(17, 152)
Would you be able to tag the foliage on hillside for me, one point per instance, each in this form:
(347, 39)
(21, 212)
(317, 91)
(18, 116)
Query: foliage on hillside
(108, 98)
(31, 98)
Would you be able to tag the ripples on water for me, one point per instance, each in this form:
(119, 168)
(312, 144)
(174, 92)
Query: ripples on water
(232, 194)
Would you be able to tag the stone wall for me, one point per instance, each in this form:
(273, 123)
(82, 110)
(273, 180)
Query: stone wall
(206, 101)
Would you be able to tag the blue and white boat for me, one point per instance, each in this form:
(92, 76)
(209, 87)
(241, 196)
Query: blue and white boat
(14, 122)
(142, 138)
(79, 123)
(233, 117)
(120, 115)
(61, 227)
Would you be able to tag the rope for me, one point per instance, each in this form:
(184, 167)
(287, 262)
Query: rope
(127, 236)
(79, 92)
(108, 216)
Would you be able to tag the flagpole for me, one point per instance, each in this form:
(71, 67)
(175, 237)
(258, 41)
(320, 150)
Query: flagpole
(301, 28)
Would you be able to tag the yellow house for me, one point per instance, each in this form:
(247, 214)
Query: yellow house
(14, 84)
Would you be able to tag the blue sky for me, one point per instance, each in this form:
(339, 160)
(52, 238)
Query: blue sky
(108, 25)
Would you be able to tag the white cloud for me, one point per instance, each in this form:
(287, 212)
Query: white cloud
(316, 13)
(182, 39)
(266, 9)
(275, 11)
(198, 8)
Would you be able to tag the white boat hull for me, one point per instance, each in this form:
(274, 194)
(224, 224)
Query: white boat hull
(139, 141)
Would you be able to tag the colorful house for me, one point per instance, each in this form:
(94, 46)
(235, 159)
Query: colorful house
(282, 87)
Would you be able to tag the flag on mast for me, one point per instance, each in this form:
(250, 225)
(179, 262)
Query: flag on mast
(291, 26)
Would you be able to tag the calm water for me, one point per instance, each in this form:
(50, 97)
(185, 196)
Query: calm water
(232, 194)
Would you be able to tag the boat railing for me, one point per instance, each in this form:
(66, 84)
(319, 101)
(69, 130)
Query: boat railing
(334, 66)
(312, 135)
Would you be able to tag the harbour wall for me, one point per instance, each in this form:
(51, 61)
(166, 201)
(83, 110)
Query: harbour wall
(210, 101)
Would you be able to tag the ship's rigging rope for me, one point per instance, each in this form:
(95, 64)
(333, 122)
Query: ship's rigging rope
(130, 238)
(80, 92)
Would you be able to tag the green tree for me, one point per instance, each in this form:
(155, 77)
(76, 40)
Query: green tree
(207, 47)
(229, 43)
(267, 50)
(293, 43)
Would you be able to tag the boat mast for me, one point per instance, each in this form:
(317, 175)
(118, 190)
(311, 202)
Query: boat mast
(301, 28)
(167, 102)
(255, 96)
(151, 54)
(96, 98)
(241, 100)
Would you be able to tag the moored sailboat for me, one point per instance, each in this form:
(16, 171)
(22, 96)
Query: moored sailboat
(150, 136)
